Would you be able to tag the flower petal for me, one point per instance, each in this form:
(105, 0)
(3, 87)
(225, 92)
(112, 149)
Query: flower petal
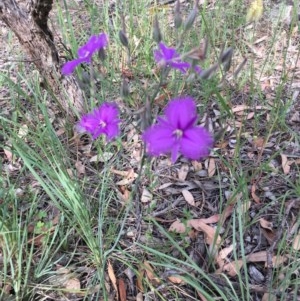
(112, 130)
(92, 45)
(168, 53)
(69, 67)
(196, 143)
(181, 112)
(108, 112)
(159, 139)
(180, 65)
(103, 120)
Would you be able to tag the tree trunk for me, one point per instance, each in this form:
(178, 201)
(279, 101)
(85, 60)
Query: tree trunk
(36, 39)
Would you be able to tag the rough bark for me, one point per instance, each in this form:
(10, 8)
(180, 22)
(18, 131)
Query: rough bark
(36, 39)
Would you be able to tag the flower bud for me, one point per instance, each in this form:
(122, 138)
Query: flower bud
(226, 57)
(191, 19)
(205, 74)
(177, 15)
(157, 36)
(123, 38)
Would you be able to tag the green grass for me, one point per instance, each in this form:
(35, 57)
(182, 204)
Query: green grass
(60, 223)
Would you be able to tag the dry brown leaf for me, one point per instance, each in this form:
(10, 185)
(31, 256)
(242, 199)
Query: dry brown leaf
(176, 280)
(215, 218)
(250, 115)
(124, 193)
(268, 297)
(146, 196)
(112, 276)
(278, 261)
(296, 242)
(286, 165)
(150, 273)
(253, 194)
(231, 268)
(188, 197)
(80, 167)
(225, 251)
(258, 142)
(257, 257)
(211, 167)
(183, 172)
(269, 235)
(139, 278)
(177, 227)
(72, 284)
(8, 154)
(104, 157)
(122, 289)
(139, 297)
(130, 176)
(164, 186)
(197, 165)
(266, 224)
(209, 231)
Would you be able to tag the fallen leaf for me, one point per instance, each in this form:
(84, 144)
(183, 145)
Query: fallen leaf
(176, 280)
(80, 167)
(139, 278)
(258, 142)
(112, 276)
(278, 261)
(188, 197)
(122, 289)
(210, 233)
(164, 186)
(211, 167)
(226, 251)
(139, 297)
(146, 196)
(253, 194)
(177, 227)
(257, 257)
(231, 268)
(183, 172)
(150, 273)
(103, 157)
(197, 165)
(266, 224)
(215, 218)
(268, 297)
(220, 258)
(285, 164)
(72, 284)
(269, 235)
(130, 176)
(296, 242)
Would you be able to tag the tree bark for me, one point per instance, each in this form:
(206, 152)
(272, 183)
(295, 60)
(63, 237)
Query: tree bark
(36, 39)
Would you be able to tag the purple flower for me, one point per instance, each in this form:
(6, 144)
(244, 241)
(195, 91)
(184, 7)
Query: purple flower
(177, 132)
(85, 52)
(168, 57)
(103, 120)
